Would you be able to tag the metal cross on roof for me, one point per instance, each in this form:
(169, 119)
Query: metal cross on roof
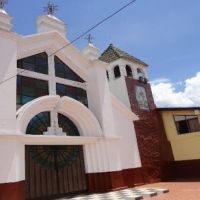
(51, 8)
(2, 3)
(89, 38)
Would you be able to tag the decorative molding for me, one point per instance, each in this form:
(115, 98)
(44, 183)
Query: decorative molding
(83, 118)
(51, 139)
(52, 41)
(46, 77)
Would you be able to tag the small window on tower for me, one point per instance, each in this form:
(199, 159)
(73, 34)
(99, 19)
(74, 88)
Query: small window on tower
(107, 74)
(117, 72)
(140, 72)
(141, 76)
(129, 71)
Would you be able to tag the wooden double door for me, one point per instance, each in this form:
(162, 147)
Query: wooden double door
(54, 171)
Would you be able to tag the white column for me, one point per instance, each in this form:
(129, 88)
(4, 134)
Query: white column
(52, 88)
(8, 80)
(11, 152)
(52, 81)
(134, 70)
(54, 126)
(99, 97)
(123, 70)
(5, 20)
(48, 23)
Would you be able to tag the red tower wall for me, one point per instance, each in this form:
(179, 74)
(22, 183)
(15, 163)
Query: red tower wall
(155, 150)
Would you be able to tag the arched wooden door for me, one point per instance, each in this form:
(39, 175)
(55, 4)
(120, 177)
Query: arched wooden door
(53, 171)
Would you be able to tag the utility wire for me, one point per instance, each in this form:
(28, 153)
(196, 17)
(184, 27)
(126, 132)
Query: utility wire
(80, 36)
(5, 80)
(95, 26)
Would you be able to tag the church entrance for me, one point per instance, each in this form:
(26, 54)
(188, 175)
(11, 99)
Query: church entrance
(54, 171)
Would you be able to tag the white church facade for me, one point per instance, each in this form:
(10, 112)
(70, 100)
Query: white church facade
(74, 121)
(61, 129)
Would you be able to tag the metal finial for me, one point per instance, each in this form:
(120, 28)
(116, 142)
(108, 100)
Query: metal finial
(89, 38)
(2, 3)
(51, 8)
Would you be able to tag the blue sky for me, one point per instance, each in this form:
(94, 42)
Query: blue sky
(164, 34)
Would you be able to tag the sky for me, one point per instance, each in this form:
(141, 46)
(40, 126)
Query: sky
(164, 34)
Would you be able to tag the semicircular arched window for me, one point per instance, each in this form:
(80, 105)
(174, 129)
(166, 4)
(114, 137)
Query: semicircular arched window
(117, 72)
(39, 124)
(129, 71)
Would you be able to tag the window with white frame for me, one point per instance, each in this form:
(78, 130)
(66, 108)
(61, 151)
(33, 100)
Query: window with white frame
(33, 80)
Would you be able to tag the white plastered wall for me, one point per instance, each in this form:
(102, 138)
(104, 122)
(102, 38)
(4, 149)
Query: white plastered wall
(11, 152)
(105, 155)
(119, 149)
(8, 69)
(118, 85)
(12, 165)
(99, 98)
(129, 153)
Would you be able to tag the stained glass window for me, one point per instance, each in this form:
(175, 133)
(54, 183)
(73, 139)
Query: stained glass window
(73, 92)
(29, 89)
(41, 122)
(67, 125)
(52, 156)
(64, 71)
(37, 63)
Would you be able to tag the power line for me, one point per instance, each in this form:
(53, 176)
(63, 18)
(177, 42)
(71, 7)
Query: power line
(12, 76)
(95, 26)
(80, 36)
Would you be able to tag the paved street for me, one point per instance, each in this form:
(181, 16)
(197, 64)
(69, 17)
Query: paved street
(127, 194)
(178, 191)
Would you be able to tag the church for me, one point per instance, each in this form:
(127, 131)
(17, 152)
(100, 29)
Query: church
(74, 121)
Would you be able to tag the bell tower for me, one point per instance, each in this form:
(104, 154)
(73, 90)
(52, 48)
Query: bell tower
(128, 80)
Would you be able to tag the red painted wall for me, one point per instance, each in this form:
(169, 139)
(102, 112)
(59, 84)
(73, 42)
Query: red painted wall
(12, 191)
(155, 151)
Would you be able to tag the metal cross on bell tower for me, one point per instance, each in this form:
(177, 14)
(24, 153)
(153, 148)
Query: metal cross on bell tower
(2, 3)
(51, 8)
(89, 38)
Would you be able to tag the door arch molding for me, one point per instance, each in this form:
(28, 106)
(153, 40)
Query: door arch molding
(82, 117)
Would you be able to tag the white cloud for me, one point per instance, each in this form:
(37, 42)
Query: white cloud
(165, 93)
(160, 80)
(192, 89)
